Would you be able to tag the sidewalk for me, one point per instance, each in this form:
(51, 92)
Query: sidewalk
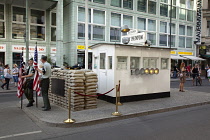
(11, 87)
(187, 79)
(57, 115)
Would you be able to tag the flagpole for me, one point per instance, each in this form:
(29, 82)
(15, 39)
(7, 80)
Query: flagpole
(38, 79)
(21, 102)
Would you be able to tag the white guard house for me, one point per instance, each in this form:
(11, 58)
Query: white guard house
(144, 71)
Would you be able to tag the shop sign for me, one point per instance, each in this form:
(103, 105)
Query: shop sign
(81, 47)
(16, 48)
(185, 53)
(202, 50)
(53, 50)
(173, 52)
(2, 48)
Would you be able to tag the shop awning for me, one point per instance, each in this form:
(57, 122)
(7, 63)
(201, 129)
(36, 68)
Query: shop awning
(194, 58)
(177, 57)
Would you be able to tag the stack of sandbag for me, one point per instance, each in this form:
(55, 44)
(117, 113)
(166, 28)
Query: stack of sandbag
(91, 80)
(76, 83)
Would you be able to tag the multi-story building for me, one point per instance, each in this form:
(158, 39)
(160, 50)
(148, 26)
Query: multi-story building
(62, 24)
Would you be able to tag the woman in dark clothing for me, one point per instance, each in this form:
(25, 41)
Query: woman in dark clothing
(6, 71)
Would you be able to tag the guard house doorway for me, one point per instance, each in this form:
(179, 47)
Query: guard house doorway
(2, 57)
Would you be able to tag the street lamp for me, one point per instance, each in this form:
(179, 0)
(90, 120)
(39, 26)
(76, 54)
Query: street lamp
(125, 29)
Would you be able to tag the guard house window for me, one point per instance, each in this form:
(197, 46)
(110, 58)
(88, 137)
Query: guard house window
(102, 60)
(150, 62)
(110, 62)
(134, 62)
(142, 5)
(164, 63)
(152, 7)
(2, 22)
(53, 26)
(18, 23)
(37, 27)
(121, 62)
(142, 23)
(96, 26)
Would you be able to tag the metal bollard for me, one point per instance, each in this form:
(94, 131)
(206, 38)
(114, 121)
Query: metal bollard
(119, 103)
(116, 113)
(69, 120)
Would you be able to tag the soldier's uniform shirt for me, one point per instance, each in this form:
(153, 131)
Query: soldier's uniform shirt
(30, 70)
(46, 70)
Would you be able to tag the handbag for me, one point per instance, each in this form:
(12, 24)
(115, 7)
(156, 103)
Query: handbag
(9, 76)
(181, 75)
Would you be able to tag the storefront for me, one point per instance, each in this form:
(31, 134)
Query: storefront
(2, 53)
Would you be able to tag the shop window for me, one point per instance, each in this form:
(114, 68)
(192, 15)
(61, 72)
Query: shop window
(102, 60)
(110, 62)
(164, 63)
(150, 62)
(134, 62)
(121, 62)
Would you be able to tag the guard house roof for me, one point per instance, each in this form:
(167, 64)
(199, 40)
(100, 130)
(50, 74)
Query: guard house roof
(129, 45)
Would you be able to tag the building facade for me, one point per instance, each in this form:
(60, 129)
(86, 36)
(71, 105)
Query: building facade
(63, 26)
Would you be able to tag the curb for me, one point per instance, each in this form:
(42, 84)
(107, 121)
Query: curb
(8, 91)
(113, 118)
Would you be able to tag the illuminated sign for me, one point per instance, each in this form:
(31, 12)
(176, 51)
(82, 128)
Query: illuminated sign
(185, 53)
(81, 47)
(173, 52)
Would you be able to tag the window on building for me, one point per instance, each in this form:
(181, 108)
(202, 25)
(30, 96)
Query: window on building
(37, 17)
(173, 28)
(2, 22)
(182, 42)
(142, 5)
(189, 31)
(189, 42)
(115, 19)
(128, 20)
(18, 23)
(128, 4)
(151, 25)
(182, 14)
(163, 40)
(37, 32)
(189, 15)
(173, 39)
(163, 27)
(165, 1)
(115, 34)
(53, 26)
(81, 31)
(81, 14)
(208, 28)
(173, 12)
(142, 23)
(98, 17)
(208, 4)
(1, 12)
(99, 1)
(152, 38)
(151, 7)
(181, 29)
(189, 4)
(164, 10)
(116, 3)
(98, 33)
(164, 63)
(134, 62)
(183, 3)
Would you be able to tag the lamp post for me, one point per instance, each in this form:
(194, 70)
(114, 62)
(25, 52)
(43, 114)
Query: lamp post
(124, 30)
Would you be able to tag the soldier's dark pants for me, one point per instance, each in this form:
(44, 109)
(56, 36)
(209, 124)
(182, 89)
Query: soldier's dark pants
(29, 92)
(44, 88)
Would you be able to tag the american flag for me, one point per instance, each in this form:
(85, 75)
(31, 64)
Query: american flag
(36, 76)
(20, 90)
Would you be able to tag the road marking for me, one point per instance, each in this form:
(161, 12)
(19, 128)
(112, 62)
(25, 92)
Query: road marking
(20, 134)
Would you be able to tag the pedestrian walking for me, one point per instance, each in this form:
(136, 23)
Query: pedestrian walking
(195, 73)
(175, 71)
(182, 77)
(15, 74)
(28, 84)
(188, 70)
(46, 73)
(208, 74)
(7, 77)
(2, 73)
(207, 68)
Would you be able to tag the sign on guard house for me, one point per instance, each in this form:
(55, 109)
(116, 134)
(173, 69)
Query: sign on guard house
(135, 37)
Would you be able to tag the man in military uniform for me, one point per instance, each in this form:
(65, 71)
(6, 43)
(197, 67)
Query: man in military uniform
(28, 85)
(45, 81)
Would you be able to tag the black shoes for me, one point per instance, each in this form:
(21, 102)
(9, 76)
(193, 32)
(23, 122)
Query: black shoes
(30, 104)
(43, 107)
(46, 109)
(2, 87)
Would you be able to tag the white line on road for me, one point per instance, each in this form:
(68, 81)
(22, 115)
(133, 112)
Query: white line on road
(20, 134)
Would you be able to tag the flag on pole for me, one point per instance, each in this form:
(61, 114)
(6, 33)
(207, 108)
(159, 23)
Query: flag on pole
(36, 82)
(20, 89)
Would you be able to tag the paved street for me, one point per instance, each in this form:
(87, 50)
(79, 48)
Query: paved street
(186, 124)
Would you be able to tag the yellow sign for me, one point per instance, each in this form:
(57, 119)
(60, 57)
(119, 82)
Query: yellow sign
(185, 53)
(173, 52)
(81, 47)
